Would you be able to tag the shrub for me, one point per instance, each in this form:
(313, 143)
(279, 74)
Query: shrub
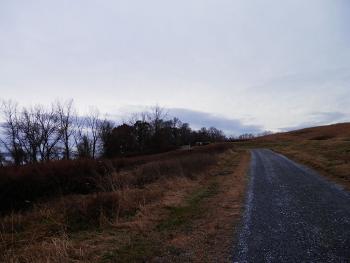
(21, 186)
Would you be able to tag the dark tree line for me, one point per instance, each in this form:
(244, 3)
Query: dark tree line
(38, 134)
(152, 132)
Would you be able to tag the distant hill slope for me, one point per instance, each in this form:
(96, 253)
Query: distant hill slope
(334, 131)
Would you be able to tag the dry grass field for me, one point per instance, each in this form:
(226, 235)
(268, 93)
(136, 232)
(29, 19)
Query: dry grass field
(176, 207)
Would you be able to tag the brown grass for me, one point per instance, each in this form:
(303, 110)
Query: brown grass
(120, 221)
(211, 237)
(338, 131)
(21, 187)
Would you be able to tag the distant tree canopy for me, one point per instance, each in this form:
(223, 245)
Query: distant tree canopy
(144, 137)
(38, 134)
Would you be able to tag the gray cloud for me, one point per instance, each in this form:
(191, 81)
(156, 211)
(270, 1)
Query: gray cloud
(198, 119)
(328, 117)
(320, 118)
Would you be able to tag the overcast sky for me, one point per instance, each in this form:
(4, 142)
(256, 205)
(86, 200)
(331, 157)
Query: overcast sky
(242, 65)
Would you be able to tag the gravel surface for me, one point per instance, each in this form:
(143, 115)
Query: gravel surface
(292, 214)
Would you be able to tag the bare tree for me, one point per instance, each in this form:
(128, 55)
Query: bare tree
(175, 130)
(66, 123)
(84, 147)
(105, 134)
(216, 135)
(142, 116)
(48, 121)
(94, 123)
(11, 130)
(79, 132)
(156, 116)
(30, 133)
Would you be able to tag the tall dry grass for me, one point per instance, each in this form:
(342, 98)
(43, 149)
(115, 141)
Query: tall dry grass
(109, 197)
(21, 187)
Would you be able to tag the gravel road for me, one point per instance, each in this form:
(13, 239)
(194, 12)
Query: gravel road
(292, 214)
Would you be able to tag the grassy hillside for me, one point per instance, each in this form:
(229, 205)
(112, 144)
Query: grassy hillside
(179, 206)
(325, 148)
(340, 131)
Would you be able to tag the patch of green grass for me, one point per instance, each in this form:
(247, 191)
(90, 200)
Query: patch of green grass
(181, 216)
(142, 248)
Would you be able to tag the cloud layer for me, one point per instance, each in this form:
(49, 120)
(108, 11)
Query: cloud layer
(268, 63)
